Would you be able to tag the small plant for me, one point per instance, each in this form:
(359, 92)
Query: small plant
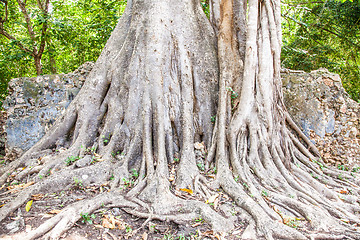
(343, 168)
(293, 224)
(86, 218)
(234, 94)
(134, 173)
(112, 177)
(128, 229)
(199, 219)
(320, 164)
(70, 160)
(128, 183)
(201, 166)
(340, 177)
(264, 193)
(115, 153)
(236, 178)
(355, 169)
(245, 185)
(78, 183)
(213, 119)
(176, 160)
(41, 176)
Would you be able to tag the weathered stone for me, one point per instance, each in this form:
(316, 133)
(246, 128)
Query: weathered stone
(316, 101)
(34, 103)
(320, 106)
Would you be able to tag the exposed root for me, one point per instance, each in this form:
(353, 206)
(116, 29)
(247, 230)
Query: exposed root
(55, 227)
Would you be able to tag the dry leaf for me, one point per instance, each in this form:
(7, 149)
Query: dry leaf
(16, 188)
(187, 190)
(37, 196)
(109, 221)
(343, 191)
(55, 211)
(199, 146)
(28, 205)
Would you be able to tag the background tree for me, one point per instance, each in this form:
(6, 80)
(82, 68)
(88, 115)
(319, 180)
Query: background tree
(157, 84)
(324, 34)
(76, 31)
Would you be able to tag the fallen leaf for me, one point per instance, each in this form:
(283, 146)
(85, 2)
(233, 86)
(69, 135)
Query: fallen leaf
(187, 190)
(107, 224)
(55, 211)
(19, 187)
(199, 146)
(98, 226)
(343, 191)
(109, 221)
(28, 205)
(37, 196)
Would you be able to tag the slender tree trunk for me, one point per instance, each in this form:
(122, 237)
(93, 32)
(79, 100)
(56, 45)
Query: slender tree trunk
(38, 65)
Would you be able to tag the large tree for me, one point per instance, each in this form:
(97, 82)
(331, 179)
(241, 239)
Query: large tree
(164, 74)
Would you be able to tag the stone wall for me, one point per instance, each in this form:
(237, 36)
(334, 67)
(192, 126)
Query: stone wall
(320, 106)
(316, 101)
(34, 103)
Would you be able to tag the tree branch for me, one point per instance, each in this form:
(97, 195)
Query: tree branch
(17, 42)
(6, 12)
(28, 21)
(45, 10)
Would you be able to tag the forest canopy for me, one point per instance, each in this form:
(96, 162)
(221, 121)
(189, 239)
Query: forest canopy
(316, 34)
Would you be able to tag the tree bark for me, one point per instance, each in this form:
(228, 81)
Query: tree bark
(38, 65)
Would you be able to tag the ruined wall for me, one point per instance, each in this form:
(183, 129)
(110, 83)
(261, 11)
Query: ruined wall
(320, 106)
(316, 101)
(34, 103)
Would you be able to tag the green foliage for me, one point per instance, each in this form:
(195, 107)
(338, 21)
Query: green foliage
(77, 32)
(87, 218)
(323, 35)
(206, 7)
(70, 160)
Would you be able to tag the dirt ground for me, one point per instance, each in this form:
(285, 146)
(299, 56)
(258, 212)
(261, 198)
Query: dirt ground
(106, 223)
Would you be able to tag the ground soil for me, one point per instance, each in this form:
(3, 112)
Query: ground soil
(101, 223)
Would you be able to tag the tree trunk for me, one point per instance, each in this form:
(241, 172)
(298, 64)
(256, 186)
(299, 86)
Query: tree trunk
(159, 81)
(38, 66)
